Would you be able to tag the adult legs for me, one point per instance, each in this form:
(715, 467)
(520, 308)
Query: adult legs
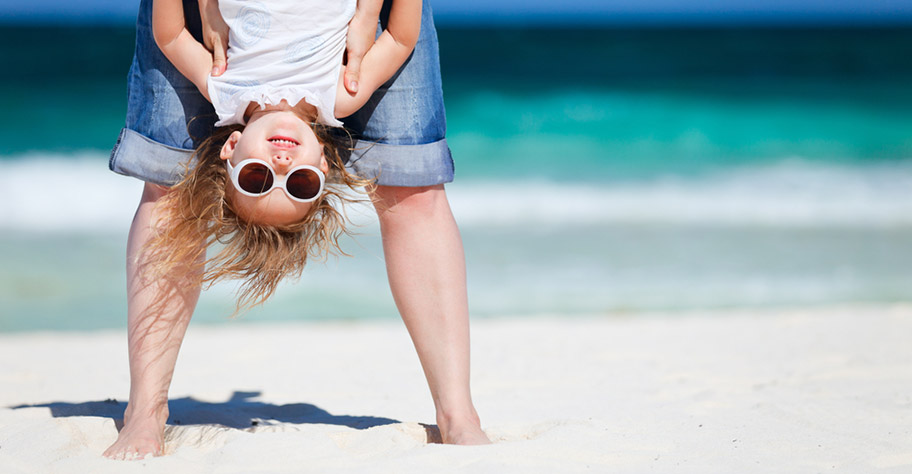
(158, 313)
(426, 269)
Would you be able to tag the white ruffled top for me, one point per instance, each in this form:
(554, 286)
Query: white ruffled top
(281, 49)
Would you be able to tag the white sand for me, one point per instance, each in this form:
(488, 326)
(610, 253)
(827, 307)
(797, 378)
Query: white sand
(824, 390)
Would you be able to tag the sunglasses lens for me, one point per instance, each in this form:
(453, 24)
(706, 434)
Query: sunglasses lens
(303, 184)
(255, 178)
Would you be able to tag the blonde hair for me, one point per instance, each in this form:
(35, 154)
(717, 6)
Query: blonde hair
(196, 213)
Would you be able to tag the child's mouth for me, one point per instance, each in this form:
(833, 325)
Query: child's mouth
(283, 142)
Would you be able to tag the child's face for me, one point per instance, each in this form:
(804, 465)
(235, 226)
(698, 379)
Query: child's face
(284, 141)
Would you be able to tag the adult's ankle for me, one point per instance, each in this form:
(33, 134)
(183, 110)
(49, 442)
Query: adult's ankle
(458, 417)
(146, 412)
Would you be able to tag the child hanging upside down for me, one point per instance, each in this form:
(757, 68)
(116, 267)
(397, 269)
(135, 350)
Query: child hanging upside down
(265, 181)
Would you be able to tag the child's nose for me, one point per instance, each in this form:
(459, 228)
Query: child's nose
(281, 161)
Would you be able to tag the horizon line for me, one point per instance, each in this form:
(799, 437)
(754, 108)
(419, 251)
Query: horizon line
(544, 19)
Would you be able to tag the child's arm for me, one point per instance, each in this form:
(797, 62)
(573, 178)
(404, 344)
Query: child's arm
(187, 54)
(362, 32)
(215, 34)
(384, 58)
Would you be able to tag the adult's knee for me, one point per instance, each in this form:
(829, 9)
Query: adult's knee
(392, 202)
(153, 192)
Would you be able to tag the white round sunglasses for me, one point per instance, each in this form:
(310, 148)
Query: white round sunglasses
(254, 177)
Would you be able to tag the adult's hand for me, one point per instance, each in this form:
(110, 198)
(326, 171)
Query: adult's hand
(215, 35)
(362, 30)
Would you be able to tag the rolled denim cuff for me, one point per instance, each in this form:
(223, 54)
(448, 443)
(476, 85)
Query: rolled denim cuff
(141, 157)
(402, 165)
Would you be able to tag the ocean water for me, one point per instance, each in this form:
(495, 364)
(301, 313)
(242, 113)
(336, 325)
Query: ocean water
(599, 171)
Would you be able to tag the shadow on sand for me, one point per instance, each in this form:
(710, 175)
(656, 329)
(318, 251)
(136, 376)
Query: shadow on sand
(239, 412)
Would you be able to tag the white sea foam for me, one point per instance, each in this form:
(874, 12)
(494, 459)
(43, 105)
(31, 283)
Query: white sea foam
(48, 193)
(788, 193)
(77, 193)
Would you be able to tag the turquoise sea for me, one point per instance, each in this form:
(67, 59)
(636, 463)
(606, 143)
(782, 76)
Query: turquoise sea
(600, 171)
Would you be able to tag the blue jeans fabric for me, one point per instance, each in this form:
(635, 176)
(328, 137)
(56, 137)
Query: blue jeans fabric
(399, 135)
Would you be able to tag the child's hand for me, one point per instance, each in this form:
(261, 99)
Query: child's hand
(362, 29)
(189, 56)
(381, 61)
(215, 35)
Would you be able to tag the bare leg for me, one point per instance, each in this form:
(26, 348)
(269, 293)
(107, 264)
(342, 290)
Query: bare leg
(158, 314)
(426, 269)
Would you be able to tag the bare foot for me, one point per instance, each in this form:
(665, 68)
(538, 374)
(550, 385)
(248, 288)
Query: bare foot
(140, 437)
(465, 437)
(464, 430)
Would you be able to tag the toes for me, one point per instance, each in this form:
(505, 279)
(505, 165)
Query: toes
(129, 452)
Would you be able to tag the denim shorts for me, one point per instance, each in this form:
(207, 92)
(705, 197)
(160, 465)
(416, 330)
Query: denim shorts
(399, 135)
